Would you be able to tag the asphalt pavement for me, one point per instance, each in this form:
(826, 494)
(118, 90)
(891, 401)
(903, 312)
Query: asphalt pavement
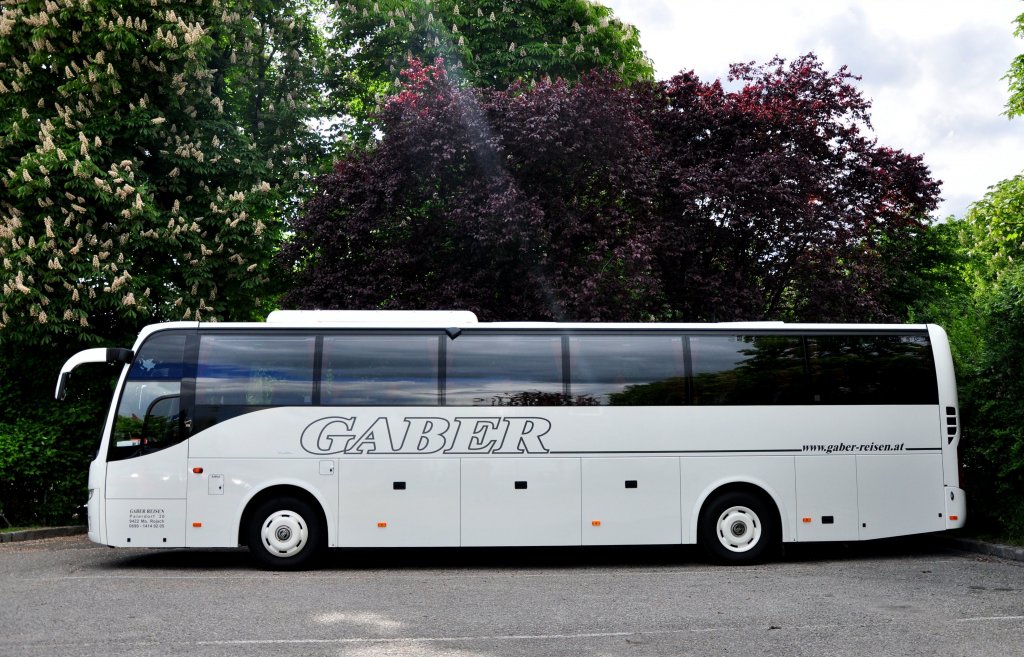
(66, 596)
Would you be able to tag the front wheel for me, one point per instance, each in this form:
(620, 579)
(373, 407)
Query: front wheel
(738, 528)
(285, 534)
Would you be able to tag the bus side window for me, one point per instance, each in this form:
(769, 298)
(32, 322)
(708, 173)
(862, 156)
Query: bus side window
(144, 424)
(627, 370)
(380, 370)
(237, 374)
(730, 370)
(505, 370)
(872, 369)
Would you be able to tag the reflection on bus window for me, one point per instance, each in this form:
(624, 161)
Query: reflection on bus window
(742, 369)
(147, 417)
(507, 370)
(246, 370)
(872, 369)
(238, 374)
(627, 370)
(379, 370)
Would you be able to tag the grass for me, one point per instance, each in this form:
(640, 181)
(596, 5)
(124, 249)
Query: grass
(8, 530)
(989, 537)
(1001, 540)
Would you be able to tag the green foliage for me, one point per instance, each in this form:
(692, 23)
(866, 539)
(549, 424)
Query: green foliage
(148, 154)
(985, 320)
(1015, 77)
(994, 414)
(995, 226)
(491, 43)
(927, 275)
(45, 446)
(41, 480)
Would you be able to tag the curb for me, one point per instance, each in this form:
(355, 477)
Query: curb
(1011, 552)
(36, 534)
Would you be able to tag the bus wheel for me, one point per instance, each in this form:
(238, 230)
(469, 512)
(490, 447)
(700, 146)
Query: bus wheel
(285, 534)
(738, 528)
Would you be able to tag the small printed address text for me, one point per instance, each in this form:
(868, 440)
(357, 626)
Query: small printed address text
(146, 518)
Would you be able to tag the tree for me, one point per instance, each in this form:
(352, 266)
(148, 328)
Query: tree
(1015, 77)
(149, 154)
(991, 366)
(520, 203)
(993, 417)
(491, 43)
(994, 229)
(986, 326)
(603, 201)
(777, 198)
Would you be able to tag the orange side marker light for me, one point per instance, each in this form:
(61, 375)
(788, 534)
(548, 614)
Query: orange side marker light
(197, 524)
(197, 470)
(382, 525)
(808, 519)
(954, 518)
(595, 523)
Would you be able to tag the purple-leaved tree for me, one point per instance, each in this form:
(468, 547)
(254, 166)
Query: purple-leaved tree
(600, 201)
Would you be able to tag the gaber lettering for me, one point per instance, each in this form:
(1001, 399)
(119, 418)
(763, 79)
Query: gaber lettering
(426, 435)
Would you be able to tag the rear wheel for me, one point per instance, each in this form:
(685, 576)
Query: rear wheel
(285, 534)
(738, 528)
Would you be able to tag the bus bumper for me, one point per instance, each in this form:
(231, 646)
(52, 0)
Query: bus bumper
(956, 507)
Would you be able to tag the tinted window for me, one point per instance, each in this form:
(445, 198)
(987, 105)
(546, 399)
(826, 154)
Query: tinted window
(148, 416)
(872, 369)
(505, 370)
(379, 370)
(627, 370)
(255, 370)
(744, 369)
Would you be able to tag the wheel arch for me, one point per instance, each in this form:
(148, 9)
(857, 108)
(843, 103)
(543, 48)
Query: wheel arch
(753, 487)
(279, 490)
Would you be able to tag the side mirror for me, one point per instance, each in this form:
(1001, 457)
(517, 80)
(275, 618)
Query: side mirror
(97, 355)
(62, 386)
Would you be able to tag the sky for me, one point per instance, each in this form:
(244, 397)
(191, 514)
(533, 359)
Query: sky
(932, 69)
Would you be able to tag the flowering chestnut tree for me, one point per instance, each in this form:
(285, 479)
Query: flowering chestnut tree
(147, 152)
(599, 201)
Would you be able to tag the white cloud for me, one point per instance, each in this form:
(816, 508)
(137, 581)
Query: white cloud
(932, 68)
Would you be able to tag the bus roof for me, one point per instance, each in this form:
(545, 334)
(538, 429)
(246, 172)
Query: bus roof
(443, 319)
(373, 317)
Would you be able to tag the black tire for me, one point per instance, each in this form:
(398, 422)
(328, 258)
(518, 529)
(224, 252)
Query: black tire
(739, 528)
(285, 534)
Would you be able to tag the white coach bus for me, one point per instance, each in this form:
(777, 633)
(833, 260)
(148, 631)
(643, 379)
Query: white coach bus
(325, 429)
